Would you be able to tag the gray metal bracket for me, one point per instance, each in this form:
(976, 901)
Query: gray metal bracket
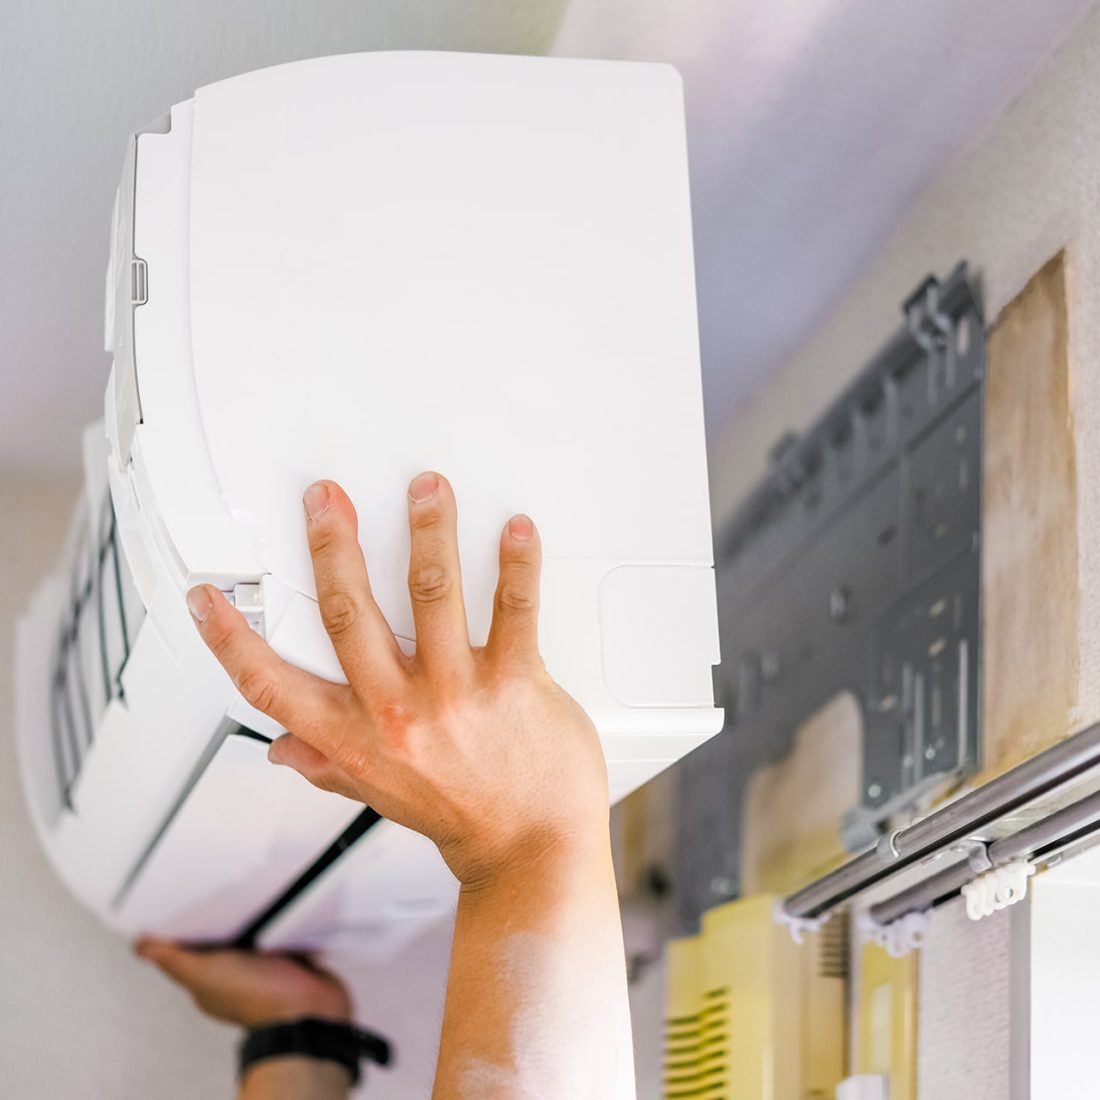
(855, 566)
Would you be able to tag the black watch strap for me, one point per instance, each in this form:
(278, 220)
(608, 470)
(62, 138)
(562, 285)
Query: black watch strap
(311, 1037)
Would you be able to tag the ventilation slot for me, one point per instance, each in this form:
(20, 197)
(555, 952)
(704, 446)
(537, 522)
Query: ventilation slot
(833, 946)
(696, 1051)
(94, 641)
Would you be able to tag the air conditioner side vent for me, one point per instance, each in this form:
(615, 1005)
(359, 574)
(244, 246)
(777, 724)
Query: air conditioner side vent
(93, 644)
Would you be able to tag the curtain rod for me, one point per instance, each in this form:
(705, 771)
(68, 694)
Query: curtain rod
(953, 822)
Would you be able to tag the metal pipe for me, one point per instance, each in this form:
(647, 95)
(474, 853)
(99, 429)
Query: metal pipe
(1069, 824)
(923, 895)
(955, 821)
(1078, 817)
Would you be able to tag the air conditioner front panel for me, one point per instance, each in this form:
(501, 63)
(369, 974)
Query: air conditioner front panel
(237, 836)
(465, 299)
(387, 889)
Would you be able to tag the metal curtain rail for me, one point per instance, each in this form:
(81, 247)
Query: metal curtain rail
(1042, 839)
(954, 822)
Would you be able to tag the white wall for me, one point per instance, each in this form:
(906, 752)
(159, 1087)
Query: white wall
(1028, 189)
(1065, 978)
(812, 125)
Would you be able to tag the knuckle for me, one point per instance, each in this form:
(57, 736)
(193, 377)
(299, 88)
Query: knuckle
(427, 518)
(322, 780)
(429, 583)
(521, 556)
(219, 637)
(322, 538)
(339, 613)
(393, 724)
(519, 570)
(259, 688)
(516, 596)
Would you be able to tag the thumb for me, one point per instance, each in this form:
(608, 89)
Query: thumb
(312, 764)
(182, 965)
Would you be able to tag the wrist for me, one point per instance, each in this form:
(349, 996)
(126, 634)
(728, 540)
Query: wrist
(333, 1005)
(540, 858)
(295, 1077)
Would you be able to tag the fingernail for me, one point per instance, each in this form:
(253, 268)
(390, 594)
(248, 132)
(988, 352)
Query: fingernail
(315, 499)
(423, 487)
(521, 527)
(199, 604)
(274, 753)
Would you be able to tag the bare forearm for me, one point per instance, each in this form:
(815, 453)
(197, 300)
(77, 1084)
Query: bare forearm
(537, 1002)
(295, 1079)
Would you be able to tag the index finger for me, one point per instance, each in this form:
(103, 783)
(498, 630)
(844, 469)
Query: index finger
(296, 699)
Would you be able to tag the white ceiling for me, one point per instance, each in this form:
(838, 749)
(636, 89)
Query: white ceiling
(812, 126)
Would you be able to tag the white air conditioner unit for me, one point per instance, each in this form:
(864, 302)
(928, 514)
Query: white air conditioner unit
(357, 268)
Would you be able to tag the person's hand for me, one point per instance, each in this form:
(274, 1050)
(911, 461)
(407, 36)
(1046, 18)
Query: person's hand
(476, 748)
(250, 988)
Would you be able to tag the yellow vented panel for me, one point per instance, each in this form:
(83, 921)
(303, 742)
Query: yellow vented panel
(888, 1019)
(750, 1015)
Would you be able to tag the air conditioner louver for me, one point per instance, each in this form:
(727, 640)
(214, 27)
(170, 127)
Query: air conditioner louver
(93, 644)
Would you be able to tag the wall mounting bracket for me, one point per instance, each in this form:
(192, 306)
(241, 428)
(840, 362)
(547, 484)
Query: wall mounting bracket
(855, 566)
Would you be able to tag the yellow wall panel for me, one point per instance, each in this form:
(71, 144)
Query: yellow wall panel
(750, 1013)
(887, 1006)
